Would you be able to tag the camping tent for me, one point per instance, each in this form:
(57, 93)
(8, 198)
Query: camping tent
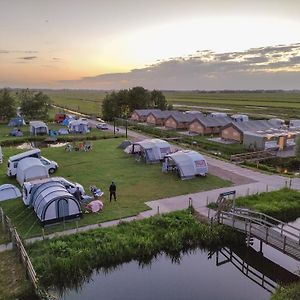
(30, 168)
(153, 150)
(52, 203)
(67, 120)
(9, 191)
(189, 163)
(38, 127)
(79, 126)
(125, 144)
(16, 122)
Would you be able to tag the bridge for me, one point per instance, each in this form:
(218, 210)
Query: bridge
(255, 266)
(268, 230)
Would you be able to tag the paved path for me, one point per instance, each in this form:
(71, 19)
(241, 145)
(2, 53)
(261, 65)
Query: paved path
(246, 182)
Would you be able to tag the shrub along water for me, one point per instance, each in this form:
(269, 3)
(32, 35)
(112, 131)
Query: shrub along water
(69, 261)
(289, 292)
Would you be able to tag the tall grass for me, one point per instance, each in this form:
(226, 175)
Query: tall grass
(69, 261)
(283, 204)
(289, 292)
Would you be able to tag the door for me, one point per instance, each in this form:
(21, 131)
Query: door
(62, 208)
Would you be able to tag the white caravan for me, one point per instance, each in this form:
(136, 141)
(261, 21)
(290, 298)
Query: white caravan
(12, 163)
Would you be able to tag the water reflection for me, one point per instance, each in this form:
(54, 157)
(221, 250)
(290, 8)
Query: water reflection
(192, 274)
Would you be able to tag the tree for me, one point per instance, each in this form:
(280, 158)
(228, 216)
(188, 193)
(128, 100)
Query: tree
(121, 104)
(158, 100)
(34, 105)
(7, 105)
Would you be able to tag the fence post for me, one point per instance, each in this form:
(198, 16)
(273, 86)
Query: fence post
(2, 219)
(158, 209)
(267, 234)
(267, 188)
(284, 243)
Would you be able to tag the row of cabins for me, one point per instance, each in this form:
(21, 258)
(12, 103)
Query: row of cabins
(194, 122)
(253, 134)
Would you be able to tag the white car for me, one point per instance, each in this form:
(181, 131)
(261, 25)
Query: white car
(51, 165)
(102, 126)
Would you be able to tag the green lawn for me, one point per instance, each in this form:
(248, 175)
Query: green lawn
(13, 281)
(136, 183)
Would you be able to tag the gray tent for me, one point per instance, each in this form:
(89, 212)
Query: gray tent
(125, 144)
(53, 203)
(38, 127)
(9, 191)
(189, 163)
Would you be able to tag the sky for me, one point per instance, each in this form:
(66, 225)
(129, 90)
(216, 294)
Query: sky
(163, 44)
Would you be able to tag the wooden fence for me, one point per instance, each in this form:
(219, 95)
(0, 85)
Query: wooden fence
(24, 257)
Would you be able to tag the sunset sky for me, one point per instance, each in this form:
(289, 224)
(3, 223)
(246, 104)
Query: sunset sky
(165, 44)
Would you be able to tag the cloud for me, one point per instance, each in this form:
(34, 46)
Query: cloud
(28, 57)
(274, 67)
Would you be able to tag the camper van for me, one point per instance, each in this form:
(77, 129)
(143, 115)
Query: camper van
(36, 153)
(12, 163)
(30, 187)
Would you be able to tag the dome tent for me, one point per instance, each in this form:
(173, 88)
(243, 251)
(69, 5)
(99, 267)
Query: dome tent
(9, 191)
(52, 203)
(189, 163)
(154, 150)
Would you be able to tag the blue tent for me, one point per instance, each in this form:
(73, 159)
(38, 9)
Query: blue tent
(17, 121)
(67, 121)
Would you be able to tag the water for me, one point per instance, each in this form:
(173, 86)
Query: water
(234, 275)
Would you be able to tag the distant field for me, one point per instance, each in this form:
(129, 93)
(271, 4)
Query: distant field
(259, 104)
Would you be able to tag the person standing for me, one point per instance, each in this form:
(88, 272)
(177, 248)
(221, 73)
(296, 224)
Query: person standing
(112, 191)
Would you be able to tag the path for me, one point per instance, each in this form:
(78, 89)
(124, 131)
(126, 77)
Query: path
(246, 182)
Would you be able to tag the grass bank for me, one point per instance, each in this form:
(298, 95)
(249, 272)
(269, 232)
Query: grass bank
(289, 292)
(69, 261)
(283, 204)
(13, 281)
(136, 183)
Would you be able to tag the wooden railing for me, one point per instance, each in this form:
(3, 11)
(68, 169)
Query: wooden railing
(24, 257)
(253, 156)
(279, 235)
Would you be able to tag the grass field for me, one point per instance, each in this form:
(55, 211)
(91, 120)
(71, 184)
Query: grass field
(13, 282)
(136, 183)
(258, 104)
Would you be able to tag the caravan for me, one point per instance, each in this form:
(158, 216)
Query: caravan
(13, 161)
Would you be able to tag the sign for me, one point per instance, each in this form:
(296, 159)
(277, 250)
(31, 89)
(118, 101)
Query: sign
(227, 194)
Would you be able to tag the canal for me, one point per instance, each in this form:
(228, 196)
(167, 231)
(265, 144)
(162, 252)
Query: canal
(236, 274)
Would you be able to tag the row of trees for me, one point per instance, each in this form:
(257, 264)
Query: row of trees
(122, 103)
(33, 105)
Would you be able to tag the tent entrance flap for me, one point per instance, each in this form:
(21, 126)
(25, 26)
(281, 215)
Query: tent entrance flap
(62, 208)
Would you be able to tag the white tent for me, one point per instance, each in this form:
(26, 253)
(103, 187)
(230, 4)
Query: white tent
(189, 163)
(153, 150)
(79, 126)
(9, 191)
(52, 203)
(31, 168)
(38, 127)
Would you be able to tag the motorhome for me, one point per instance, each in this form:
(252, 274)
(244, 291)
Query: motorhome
(30, 187)
(12, 163)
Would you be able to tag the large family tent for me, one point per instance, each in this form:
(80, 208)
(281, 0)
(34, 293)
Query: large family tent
(153, 150)
(67, 120)
(9, 191)
(30, 168)
(189, 163)
(38, 127)
(16, 122)
(79, 126)
(52, 203)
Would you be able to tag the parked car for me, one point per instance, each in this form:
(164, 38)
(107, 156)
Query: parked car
(51, 165)
(102, 126)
